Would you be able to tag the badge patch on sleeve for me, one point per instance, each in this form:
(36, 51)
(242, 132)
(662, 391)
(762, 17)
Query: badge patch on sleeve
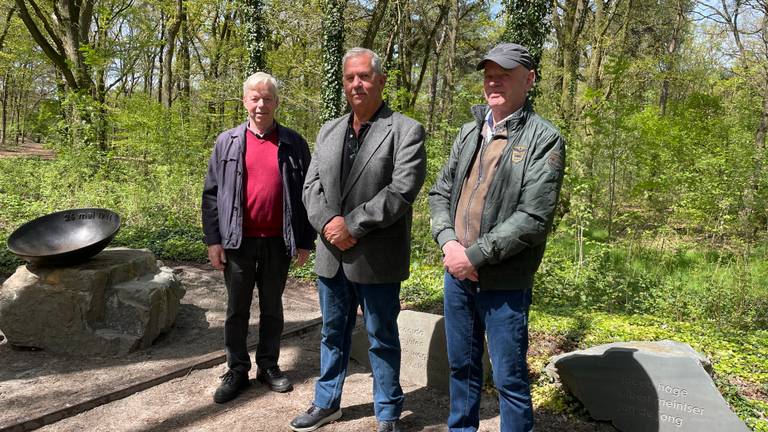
(555, 160)
(518, 153)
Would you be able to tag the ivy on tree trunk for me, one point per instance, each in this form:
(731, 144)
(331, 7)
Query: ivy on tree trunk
(527, 25)
(333, 51)
(255, 36)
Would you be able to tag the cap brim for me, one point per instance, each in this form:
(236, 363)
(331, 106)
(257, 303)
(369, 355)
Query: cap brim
(504, 63)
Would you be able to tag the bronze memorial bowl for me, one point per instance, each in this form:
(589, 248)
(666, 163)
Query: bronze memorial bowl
(64, 238)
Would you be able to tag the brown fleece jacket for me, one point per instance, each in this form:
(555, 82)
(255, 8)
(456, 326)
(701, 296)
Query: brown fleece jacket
(475, 188)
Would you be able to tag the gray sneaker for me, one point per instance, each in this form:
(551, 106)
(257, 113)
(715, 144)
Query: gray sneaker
(388, 426)
(314, 418)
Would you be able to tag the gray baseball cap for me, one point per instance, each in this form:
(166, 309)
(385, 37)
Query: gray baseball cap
(508, 56)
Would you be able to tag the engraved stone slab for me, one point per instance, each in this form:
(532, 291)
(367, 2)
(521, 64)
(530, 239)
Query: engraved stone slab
(646, 387)
(424, 358)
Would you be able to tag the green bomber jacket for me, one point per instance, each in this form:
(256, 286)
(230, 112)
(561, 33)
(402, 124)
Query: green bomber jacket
(520, 204)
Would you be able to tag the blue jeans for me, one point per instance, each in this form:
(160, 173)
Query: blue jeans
(503, 316)
(380, 303)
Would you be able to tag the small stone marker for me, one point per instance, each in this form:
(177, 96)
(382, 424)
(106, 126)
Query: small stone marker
(115, 303)
(424, 358)
(646, 387)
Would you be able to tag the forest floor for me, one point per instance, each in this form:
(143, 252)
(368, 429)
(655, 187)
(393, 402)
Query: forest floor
(35, 383)
(27, 148)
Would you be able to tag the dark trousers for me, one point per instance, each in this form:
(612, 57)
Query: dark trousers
(263, 263)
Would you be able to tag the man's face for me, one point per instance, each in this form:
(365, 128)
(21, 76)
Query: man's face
(261, 103)
(362, 86)
(505, 89)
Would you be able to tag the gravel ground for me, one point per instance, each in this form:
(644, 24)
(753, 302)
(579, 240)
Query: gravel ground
(33, 383)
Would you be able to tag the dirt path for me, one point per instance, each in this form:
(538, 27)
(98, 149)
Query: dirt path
(33, 383)
(28, 148)
(185, 404)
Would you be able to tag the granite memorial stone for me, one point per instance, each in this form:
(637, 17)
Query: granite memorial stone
(115, 303)
(646, 387)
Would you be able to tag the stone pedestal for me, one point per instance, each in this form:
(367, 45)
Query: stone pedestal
(646, 387)
(117, 302)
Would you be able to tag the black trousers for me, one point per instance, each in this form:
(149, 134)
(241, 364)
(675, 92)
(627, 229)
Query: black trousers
(263, 263)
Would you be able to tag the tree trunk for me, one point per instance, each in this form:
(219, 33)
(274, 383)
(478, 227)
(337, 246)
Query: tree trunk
(61, 39)
(17, 98)
(568, 91)
(434, 81)
(605, 12)
(568, 29)
(751, 206)
(170, 46)
(185, 70)
(528, 26)
(6, 26)
(375, 22)
(428, 47)
(4, 124)
(668, 64)
(160, 58)
(446, 103)
(390, 49)
(403, 38)
(149, 74)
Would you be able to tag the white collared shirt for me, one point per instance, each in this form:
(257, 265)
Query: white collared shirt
(489, 118)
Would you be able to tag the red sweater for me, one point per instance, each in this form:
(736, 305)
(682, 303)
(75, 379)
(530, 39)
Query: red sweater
(263, 200)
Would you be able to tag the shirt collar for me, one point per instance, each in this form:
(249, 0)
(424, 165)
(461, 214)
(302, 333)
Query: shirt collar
(492, 125)
(266, 132)
(365, 124)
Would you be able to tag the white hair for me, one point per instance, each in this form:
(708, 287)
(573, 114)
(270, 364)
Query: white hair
(260, 78)
(358, 51)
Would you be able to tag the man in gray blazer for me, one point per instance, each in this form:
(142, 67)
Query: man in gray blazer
(367, 169)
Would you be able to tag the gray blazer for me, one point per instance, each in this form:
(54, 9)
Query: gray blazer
(375, 201)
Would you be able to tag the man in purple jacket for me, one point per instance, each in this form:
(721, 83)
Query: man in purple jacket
(254, 222)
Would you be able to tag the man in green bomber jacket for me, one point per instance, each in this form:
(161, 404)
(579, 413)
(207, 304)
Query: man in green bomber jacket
(492, 207)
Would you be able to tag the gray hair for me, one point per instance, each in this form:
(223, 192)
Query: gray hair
(358, 51)
(260, 78)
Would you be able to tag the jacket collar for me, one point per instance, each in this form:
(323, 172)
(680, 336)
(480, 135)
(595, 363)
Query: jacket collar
(282, 133)
(479, 112)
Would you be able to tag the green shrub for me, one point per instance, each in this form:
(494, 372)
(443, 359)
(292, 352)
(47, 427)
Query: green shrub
(683, 284)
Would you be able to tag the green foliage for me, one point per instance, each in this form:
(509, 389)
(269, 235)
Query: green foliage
(82, 123)
(305, 272)
(684, 282)
(424, 288)
(168, 239)
(8, 261)
(152, 176)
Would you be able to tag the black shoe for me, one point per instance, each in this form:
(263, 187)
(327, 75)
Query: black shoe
(232, 383)
(275, 379)
(314, 418)
(388, 426)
